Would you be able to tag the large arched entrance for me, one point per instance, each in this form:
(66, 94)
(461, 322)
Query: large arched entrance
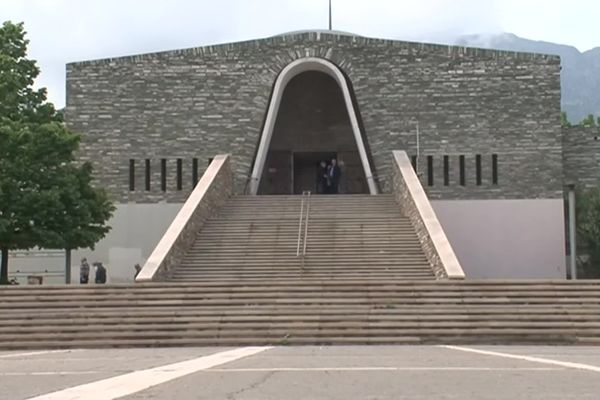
(310, 118)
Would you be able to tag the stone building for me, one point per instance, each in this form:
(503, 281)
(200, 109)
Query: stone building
(483, 128)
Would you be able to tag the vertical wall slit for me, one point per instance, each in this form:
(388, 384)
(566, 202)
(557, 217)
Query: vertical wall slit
(494, 169)
(163, 174)
(461, 166)
(429, 170)
(147, 183)
(194, 172)
(446, 171)
(478, 169)
(179, 174)
(131, 175)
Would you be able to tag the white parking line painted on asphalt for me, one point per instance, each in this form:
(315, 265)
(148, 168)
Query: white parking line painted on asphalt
(565, 364)
(43, 373)
(123, 385)
(34, 353)
(350, 369)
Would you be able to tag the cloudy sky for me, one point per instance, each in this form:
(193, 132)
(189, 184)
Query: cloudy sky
(62, 31)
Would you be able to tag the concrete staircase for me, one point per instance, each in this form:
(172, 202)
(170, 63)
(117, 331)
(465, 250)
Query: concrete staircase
(349, 236)
(365, 280)
(286, 311)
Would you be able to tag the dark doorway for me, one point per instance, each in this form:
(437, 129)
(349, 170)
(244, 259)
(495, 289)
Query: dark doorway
(306, 165)
(312, 124)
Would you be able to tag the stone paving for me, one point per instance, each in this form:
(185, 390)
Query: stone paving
(340, 372)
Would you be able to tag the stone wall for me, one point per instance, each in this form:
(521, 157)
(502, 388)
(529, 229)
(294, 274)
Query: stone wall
(581, 156)
(415, 205)
(195, 103)
(211, 193)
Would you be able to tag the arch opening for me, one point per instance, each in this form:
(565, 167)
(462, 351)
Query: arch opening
(311, 118)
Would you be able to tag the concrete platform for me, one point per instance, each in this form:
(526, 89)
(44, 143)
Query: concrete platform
(337, 372)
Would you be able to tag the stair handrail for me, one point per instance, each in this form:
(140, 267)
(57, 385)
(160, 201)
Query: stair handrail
(303, 221)
(300, 225)
(305, 239)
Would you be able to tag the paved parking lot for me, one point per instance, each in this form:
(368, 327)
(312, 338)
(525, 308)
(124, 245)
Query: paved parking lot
(352, 372)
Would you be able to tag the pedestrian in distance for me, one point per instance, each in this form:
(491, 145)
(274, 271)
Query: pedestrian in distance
(100, 273)
(84, 271)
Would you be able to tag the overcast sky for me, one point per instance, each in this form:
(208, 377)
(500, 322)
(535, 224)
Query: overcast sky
(62, 31)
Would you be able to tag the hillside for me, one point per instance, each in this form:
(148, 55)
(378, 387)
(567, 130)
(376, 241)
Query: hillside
(580, 77)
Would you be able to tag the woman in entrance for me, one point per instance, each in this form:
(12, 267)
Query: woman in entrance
(322, 178)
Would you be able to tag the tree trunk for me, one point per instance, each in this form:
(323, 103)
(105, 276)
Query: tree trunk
(68, 266)
(4, 267)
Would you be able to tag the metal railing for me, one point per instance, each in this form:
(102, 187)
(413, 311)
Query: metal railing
(303, 223)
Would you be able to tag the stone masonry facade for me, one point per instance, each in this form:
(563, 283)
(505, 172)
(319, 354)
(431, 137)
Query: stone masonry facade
(155, 109)
(581, 156)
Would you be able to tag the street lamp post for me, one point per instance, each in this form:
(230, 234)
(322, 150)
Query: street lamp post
(572, 232)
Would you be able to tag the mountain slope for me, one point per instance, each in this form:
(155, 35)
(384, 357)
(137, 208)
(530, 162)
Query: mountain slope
(580, 77)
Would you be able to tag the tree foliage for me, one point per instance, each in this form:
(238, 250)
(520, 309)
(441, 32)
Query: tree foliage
(564, 121)
(46, 197)
(588, 231)
(589, 120)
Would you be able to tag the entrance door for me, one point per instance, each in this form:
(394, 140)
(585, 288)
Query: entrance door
(306, 165)
(277, 178)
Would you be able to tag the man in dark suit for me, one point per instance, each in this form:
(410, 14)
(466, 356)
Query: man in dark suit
(334, 173)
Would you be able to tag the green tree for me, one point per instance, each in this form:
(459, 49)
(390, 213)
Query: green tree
(46, 198)
(588, 231)
(589, 120)
(564, 121)
(82, 214)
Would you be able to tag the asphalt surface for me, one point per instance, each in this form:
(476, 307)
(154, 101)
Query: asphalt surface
(338, 372)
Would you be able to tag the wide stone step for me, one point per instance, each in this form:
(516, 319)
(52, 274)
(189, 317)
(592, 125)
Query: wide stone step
(206, 273)
(262, 226)
(323, 258)
(228, 321)
(226, 248)
(352, 258)
(384, 239)
(456, 338)
(585, 311)
(301, 336)
(388, 301)
(364, 296)
(290, 240)
(331, 216)
(228, 288)
(261, 277)
(269, 326)
(436, 288)
(283, 226)
(320, 266)
(519, 311)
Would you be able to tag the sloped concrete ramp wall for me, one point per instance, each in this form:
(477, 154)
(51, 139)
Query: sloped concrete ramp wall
(415, 205)
(211, 192)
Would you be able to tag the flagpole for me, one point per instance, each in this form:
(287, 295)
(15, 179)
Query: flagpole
(329, 14)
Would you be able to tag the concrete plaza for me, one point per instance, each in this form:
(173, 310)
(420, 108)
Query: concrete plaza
(356, 372)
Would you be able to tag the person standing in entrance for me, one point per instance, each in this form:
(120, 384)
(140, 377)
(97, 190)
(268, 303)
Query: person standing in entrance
(322, 178)
(334, 173)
